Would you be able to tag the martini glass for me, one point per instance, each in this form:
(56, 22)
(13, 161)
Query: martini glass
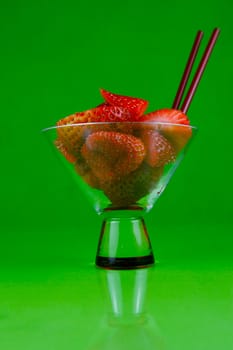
(123, 168)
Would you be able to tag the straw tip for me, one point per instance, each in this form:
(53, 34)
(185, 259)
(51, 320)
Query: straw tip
(200, 34)
(217, 30)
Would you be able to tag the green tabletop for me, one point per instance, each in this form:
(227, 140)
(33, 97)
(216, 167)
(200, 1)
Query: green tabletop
(184, 302)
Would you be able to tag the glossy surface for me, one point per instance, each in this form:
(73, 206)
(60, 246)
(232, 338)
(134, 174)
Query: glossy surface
(66, 307)
(184, 302)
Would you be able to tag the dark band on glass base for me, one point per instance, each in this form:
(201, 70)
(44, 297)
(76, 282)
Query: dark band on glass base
(125, 263)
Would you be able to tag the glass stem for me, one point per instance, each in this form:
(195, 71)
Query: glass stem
(124, 243)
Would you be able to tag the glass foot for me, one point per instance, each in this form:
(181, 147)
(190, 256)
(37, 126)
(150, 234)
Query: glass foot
(124, 242)
(125, 263)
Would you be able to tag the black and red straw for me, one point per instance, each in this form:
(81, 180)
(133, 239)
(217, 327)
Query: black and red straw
(197, 77)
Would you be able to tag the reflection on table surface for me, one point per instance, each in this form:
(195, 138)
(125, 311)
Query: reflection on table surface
(85, 308)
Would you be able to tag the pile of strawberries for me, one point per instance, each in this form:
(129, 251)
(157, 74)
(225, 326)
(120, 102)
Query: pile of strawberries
(118, 154)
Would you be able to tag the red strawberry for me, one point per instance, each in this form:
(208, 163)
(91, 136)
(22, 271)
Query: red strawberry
(167, 116)
(91, 179)
(85, 172)
(136, 106)
(179, 134)
(78, 117)
(108, 113)
(60, 146)
(111, 154)
(132, 187)
(158, 150)
(81, 166)
(72, 135)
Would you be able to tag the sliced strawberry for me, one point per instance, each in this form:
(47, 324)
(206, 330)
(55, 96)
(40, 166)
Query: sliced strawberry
(109, 113)
(132, 187)
(111, 154)
(166, 116)
(159, 151)
(136, 106)
(174, 126)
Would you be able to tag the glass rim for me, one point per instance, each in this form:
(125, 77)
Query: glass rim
(120, 122)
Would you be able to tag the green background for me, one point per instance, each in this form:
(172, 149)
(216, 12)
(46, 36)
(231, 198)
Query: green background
(54, 58)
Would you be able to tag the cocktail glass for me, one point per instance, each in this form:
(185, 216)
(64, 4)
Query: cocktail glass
(123, 168)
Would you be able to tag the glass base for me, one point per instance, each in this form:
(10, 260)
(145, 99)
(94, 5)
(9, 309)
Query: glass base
(124, 242)
(125, 263)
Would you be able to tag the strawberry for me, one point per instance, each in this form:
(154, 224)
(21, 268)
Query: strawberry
(178, 134)
(136, 106)
(158, 150)
(82, 168)
(72, 136)
(109, 113)
(80, 165)
(91, 179)
(78, 117)
(167, 116)
(132, 187)
(60, 146)
(112, 114)
(112, 154)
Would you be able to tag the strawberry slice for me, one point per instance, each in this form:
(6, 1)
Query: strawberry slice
(159, 151)
(109, 113)
(136, 106)
(175, 128)
(167, 115)
(111, 154)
